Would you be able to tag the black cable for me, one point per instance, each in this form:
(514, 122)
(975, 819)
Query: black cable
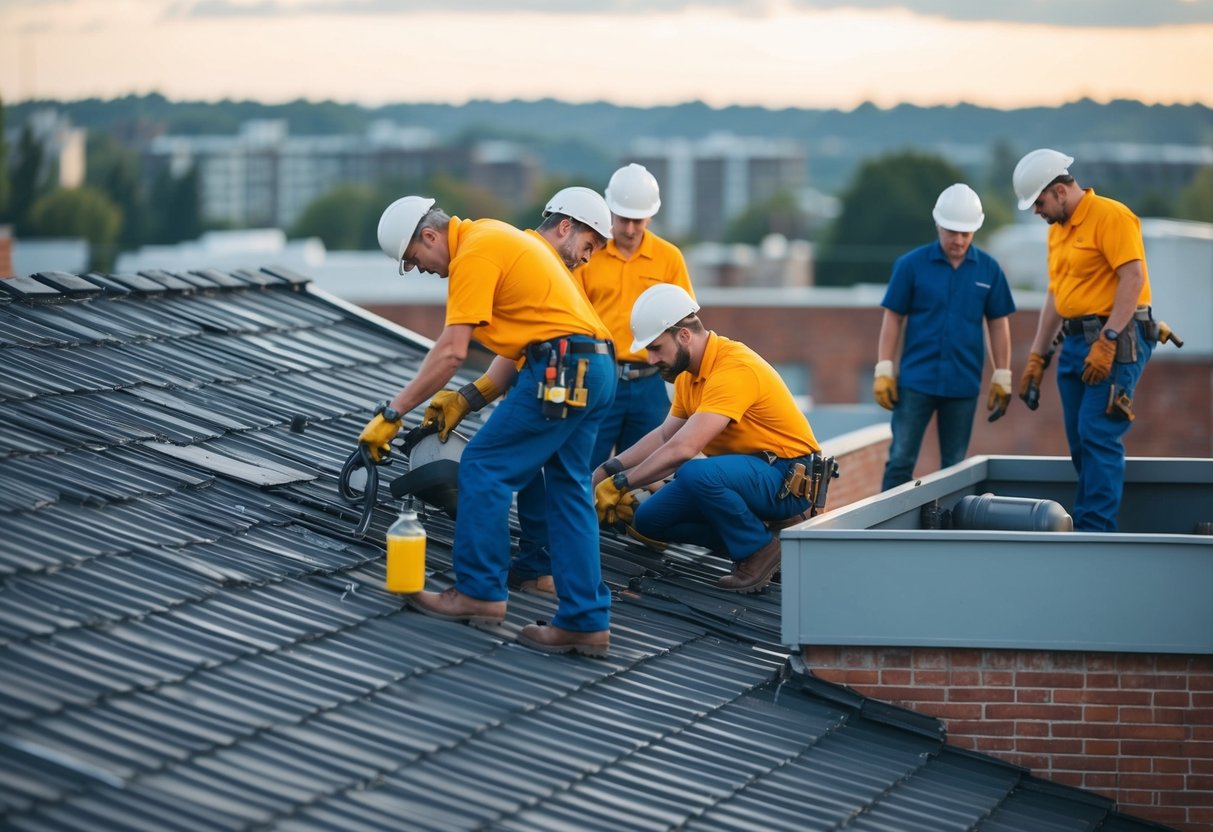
(360, 458)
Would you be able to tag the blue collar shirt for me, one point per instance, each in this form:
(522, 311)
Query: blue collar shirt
(944, 307)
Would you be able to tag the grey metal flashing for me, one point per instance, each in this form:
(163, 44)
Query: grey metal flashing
(869, 574)
(195, 640)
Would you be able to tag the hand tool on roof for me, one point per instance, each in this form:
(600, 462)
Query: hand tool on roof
(374, 448)
(433, 475)
(422, 446)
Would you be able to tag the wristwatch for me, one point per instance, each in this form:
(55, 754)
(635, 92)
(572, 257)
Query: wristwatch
(1111, 334)
(620, 481)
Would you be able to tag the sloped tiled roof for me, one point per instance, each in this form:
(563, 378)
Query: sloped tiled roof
(192, 637)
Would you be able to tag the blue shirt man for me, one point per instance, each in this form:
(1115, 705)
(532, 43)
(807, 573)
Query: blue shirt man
(939, 297)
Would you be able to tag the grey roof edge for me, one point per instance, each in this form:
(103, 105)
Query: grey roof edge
(866, 707)
(362, 314)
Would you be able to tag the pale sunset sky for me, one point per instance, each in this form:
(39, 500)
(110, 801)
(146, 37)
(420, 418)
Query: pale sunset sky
(772, 53)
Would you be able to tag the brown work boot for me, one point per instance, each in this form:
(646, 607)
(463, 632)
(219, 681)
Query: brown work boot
(453, 605)
(543, 585)
(753, 573)
(549, 639)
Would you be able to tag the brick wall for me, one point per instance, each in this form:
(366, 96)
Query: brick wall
(861, 460)
(1137, 728)
(6, 251)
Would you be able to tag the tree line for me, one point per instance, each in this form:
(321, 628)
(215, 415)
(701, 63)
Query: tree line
(885, 202)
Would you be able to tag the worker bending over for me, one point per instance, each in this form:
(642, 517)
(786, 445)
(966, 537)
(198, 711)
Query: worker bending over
(508, 289)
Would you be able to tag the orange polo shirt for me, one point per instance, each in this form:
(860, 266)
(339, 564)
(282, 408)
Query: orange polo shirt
(612, 283)
(734, 381)
(1085, 252)
(508, 285)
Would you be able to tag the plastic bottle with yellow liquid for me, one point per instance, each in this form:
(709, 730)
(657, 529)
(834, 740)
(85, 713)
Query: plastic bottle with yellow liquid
(406, 553)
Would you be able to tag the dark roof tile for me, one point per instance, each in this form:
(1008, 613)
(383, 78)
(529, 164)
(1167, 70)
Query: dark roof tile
(27, 288)
(69, 285)
(138, 284)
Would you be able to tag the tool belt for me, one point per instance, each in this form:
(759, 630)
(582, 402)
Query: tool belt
(539, 351)
(631, 371)
(810, 480)
(555, 356)
(1092, 325)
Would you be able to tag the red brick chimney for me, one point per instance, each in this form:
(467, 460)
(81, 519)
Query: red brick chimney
(1135, 727)
(6, 251)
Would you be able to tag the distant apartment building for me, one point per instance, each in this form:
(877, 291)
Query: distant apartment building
(263, 176)
(706, 183)
(1128, 171)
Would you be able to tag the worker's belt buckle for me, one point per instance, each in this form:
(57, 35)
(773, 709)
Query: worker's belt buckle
(631, 372)
(590, 347)
(539, 351)
(1083, 325)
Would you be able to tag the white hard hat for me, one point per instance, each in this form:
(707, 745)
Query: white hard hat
(398, 224)
(1035, 171)
(958, 209)
(633, 192)
(584, 205)
(657, 309)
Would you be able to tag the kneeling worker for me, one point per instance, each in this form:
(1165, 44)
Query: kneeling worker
(732, 406)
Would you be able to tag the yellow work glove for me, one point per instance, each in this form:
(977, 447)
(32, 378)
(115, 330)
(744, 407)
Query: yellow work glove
(1098, 363)
(380, 431)
(613, 502)
(884, 388)
(1033, 374)
(625, 511)
(448, 407)
(606, 498)
(1000, 394)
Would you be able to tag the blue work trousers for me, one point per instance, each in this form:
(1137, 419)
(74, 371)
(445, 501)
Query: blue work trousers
(1096, 439)
(515, 444)
(911, 415)
(640, 405)
(533, 558)
(720, 502)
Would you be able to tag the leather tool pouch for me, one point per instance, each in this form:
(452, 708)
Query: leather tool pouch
(810, 481)
(1120, 404)
(1126, 345)
(796, 484)
(822, 471)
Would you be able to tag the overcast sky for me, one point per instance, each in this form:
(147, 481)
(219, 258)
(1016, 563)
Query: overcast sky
(775, 53)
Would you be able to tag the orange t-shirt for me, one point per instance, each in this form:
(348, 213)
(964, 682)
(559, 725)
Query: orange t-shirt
(508, 285)
(734, 381)
(1085, 252)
